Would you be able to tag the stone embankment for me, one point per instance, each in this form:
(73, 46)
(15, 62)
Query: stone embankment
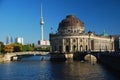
(4, 58)
(1, 57)
(111, 60)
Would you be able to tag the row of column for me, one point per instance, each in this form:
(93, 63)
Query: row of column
(75, 46)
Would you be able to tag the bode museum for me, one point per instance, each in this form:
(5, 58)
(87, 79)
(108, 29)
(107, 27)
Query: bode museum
(71, 37)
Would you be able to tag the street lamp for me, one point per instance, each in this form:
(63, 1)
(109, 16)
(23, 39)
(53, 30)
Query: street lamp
(110, 43)
(0, 48)
(89, 33)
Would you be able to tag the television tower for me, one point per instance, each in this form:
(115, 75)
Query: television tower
(42, 24)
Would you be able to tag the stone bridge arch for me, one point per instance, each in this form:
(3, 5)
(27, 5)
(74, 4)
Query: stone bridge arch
(9, 56)
(91, 58)
(83, 55)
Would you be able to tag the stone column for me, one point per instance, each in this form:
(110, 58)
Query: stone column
(112, 44)
(78, 44)
(89, 42)
(71, 47)
(51, 50)
(63, 48)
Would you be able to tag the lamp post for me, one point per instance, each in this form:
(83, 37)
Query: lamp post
(0, 48)
(110, 43)
(89, 33)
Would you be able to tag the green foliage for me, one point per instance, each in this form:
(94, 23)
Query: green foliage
(2, 47)
(17, 47)
(43, 48)
(27, 47)
(8, 48)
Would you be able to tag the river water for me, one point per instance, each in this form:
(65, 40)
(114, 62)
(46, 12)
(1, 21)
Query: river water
(32, 68)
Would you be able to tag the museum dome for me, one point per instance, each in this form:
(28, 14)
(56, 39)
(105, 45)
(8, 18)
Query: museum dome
(71, 24)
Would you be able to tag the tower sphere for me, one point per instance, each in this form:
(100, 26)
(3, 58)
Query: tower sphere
(41, 21)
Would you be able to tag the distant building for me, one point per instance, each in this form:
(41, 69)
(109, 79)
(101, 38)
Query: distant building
(44, 42)
(19, 40)
(71, 37)
(9, 40)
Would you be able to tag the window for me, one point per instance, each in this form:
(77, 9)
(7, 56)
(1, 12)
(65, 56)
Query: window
(68, 31)
(78, 31)
(74, 40)
(80, 40)
(67, 40)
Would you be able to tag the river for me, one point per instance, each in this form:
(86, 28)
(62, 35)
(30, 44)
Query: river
(32, 68)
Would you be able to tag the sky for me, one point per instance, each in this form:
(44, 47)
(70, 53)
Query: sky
(21, 18)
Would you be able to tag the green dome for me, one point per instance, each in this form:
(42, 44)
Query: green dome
(104, 34)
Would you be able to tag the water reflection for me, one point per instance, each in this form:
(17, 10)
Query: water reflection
(90, 58)
(33, 68)
(36, 57)
(79, 71)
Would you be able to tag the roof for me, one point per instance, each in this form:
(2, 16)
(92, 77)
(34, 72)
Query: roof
(104, 34)
(72, 21)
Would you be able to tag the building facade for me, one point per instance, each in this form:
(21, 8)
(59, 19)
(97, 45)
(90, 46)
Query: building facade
(44, 43)
(117, 42)
(71, 37)
(19, 40)
(9, 40)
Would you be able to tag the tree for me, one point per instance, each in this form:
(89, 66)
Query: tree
(17, 47)
(1, 46)
(43, 48)
(27, 47)
(8, 48)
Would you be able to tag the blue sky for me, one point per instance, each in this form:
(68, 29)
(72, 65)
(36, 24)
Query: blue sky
(21, 18)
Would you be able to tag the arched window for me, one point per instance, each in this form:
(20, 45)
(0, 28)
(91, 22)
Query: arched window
(60, 48)
(86, 47)
(67, 48)
(80, 40)
(74, 40)
(81, 48)
(74, 48)
(55, 48)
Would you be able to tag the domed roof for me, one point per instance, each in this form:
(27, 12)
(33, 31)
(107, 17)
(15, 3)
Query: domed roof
(71, 21)
(71, 25)
(104, 34)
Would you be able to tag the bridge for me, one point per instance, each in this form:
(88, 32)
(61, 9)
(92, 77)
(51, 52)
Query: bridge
(15, 55)
(109, 59)
(82, 55)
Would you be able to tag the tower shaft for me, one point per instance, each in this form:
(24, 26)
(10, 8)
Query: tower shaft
(42, 25)
(42, 33)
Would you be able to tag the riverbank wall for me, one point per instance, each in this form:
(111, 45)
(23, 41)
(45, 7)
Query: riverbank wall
(111, 61)
(57, 57)
(60, 56)
(1, 57)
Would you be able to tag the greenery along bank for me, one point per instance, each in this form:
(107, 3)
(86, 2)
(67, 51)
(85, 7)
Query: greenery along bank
(16, 47)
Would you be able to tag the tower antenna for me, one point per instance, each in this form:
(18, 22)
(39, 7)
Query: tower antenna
(41, 9)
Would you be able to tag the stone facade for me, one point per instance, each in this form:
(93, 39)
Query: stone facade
(71, 37)
(117, 42)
